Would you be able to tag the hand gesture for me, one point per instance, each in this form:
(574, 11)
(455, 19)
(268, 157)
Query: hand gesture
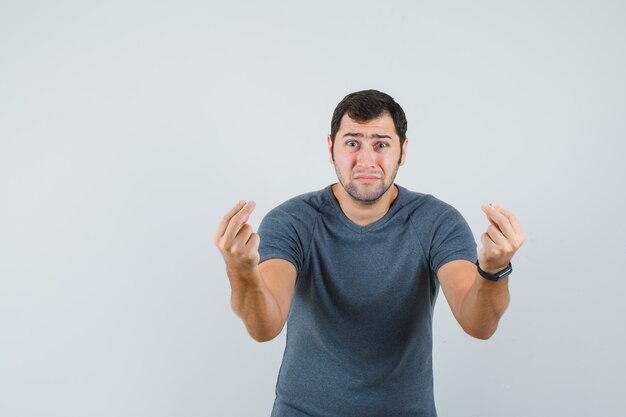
(236, 240)
(503, 238)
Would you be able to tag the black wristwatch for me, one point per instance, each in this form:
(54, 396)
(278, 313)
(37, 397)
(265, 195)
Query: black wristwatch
(498, 275)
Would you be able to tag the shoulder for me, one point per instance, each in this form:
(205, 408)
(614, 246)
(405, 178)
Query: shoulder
(424, 206)
(303, 205)
(431, 216)
(308, 202)
(287, 230)
(301, 210)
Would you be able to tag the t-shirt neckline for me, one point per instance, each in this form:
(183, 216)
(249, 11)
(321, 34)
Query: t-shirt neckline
(395, 206)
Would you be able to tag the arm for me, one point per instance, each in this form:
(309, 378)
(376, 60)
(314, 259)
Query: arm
(261, 294)
(477, 303)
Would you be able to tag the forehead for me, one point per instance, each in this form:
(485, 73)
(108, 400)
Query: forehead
(382, 125)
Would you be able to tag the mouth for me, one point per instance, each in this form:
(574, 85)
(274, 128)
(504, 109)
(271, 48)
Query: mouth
(367, 178)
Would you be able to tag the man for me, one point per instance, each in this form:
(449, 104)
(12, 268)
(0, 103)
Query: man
(355, 269)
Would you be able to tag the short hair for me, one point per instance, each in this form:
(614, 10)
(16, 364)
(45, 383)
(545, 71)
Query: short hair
(366, 105)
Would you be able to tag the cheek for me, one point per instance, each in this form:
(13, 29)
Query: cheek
(345, 160)
(391, 161)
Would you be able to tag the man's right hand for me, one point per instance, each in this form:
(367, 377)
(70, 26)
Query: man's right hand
(236, 240)
(261, 294)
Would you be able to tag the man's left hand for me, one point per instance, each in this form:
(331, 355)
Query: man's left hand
(503, 238)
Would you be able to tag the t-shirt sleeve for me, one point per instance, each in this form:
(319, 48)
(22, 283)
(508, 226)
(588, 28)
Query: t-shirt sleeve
(452, 240)
(282, 238)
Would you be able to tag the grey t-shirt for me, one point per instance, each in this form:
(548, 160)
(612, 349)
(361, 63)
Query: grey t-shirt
(359, 332)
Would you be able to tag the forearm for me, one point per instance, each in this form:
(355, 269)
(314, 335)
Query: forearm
(483, 306)
(252, 301)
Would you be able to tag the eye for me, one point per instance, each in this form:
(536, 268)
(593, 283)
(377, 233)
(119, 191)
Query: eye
(352, 144)
(382, 145)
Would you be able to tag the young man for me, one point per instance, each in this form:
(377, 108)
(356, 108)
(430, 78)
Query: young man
(355, 269)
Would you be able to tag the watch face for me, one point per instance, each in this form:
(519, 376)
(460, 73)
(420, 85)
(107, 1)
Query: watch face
(504, 272)
(498, 275)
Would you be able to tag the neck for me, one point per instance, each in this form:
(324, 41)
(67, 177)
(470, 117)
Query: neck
(361, 213)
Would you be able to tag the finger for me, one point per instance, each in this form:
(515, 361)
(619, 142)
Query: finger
(502, 222)
(517, 228)
(512, 218)
(491, 251)
(253, 242)
(487, 213)
(491, 220)
(497, 237)
(488, 243)
(244, 234)
(238, 220)
(504, 211)
(224, 222)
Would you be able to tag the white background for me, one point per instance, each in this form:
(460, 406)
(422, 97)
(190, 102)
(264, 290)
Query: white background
(128, 128)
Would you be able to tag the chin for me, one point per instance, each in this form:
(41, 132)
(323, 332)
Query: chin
(366, 197)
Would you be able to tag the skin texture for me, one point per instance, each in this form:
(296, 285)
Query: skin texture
(260, 294)
(366, 157)
(362, 158)
(477, 303)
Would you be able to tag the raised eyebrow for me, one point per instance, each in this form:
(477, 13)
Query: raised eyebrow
(377, 136)
(373, 135)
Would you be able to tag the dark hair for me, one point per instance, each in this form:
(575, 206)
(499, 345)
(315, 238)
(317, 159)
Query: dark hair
(367, 105)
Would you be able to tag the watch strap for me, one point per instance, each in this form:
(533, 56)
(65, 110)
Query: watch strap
(498, 275)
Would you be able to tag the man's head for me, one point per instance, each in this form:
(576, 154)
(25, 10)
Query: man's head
(367, 144)
(366, 105)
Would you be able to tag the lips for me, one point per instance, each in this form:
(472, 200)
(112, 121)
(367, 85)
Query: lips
(367, 177)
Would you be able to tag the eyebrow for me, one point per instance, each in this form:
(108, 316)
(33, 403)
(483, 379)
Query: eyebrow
(373, 135)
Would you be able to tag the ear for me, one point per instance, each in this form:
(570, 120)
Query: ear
(403, 155)
(330, 150)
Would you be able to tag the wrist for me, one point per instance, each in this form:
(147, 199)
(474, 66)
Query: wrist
(244, 276)
(491, 267)
(494, 273)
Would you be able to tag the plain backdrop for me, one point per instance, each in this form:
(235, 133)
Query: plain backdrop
(128, 128)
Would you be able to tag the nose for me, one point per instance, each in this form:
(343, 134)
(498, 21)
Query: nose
(366, 157)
